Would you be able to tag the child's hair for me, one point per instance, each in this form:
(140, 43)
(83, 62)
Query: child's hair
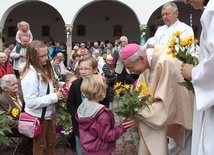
(75, 55)
(32, 58)
(91, 59)
(23, 23)
(94, 87)
(69, 76)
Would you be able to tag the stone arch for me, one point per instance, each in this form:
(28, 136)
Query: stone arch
(41, 16)
(108, 18)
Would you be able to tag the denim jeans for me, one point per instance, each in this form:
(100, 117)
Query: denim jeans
(18, 47)
(79, 149)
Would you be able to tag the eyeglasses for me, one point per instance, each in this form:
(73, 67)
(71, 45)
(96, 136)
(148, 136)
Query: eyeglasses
(85, 69)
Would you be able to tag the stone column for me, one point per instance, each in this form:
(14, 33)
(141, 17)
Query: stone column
(143, 34)
(69, 28)
(1, 43)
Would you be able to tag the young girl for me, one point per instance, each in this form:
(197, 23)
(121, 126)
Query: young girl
(96, 122)
(69, 78)
(37, 77)
(87, 65)
(23, 30)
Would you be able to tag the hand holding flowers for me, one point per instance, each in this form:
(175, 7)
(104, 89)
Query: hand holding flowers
(63, 117)
(132, 100)
(181, 50)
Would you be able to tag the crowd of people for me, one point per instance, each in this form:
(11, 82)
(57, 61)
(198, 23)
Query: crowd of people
(176, 122)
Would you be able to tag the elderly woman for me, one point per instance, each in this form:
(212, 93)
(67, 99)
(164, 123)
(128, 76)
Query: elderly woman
(12, 97)
(5, 67)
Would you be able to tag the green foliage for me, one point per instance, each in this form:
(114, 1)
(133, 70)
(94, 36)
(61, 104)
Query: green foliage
(132, 101)
(63, 116)
(5, 119)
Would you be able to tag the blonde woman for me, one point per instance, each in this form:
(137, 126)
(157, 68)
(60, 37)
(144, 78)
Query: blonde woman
(36, 80)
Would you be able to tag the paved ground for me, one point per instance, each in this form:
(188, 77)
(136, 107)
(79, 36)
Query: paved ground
(126, 145)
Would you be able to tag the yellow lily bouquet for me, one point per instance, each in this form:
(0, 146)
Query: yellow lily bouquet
(181, 50)
(132, 100)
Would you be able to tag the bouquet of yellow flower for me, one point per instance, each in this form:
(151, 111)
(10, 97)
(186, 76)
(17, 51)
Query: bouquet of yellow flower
(180, 49)
(5, 118)
(132, 100)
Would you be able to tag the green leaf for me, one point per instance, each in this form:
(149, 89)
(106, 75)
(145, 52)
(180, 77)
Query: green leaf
(196, 62)
(140, 117)
(4, 140)
(188, 85)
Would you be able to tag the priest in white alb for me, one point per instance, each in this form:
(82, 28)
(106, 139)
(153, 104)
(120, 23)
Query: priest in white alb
(202, 77)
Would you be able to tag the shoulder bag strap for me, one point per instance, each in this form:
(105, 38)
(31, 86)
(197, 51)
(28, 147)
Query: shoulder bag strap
(44, 109)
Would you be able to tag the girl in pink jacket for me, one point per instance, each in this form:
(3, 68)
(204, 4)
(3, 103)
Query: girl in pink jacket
(96, 122)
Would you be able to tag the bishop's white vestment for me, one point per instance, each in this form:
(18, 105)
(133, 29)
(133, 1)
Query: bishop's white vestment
(171, 111)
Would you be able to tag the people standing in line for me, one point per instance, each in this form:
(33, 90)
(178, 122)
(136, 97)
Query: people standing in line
(123, 74)
(87, 66)
(96, 122)
(170, 14)
(171, 110)
(23, 30)
(11, 96)
(202, 80)
(5, 68)
(19, 57)
(38, 91)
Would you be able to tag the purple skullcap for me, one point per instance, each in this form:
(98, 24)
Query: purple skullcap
(129, 50)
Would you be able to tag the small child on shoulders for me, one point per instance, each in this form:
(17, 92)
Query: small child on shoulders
(96, 122)
(23, 30)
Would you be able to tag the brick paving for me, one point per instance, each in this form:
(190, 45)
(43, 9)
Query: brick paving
(126, 144)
